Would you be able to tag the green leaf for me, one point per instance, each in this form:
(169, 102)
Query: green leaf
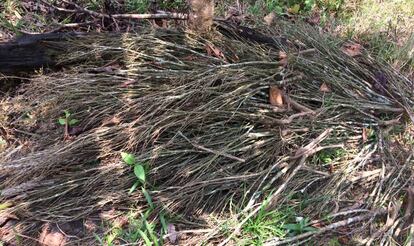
(147, 213)
(139, 172)
(151, 233)
(101, 242)
(67, 114)
(278, 10)
(148, 197)
(144, 237)
(110, 238)
(62, 121)
(292, 227)
(134, 187)
(309, 228)
(73, 122)
(163, 223)
(128, 158)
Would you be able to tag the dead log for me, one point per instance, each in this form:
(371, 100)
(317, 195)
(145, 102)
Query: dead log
(33, 51)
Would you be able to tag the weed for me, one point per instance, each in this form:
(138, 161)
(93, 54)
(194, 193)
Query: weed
(139, 169)
(254, 10)
(301, 226)
(295, 6)
(172, 4)
(94, 4)
(139, 6)
(140, 228)
(67, 119)
(327, 156)
(327, 5)
(334, 242)
(264, 225)
(274, 6)
(10, 25)
(11, 16)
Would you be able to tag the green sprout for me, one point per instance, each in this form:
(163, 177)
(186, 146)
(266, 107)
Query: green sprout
(67, 119)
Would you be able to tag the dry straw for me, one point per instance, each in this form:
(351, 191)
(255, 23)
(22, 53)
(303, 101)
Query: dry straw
(203, 123)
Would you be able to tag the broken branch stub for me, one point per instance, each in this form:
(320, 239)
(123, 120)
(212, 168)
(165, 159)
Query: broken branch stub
(201, 15)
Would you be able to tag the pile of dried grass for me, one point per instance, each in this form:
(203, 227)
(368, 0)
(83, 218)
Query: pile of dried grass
(197, 111)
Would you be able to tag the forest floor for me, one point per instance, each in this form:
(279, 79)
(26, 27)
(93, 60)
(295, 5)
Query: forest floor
(360, 160)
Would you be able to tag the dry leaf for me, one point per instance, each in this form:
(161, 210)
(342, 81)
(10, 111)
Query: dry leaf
(344, 240)
(269, 19)
(51, 236)
(121, 222)
(318, 225)
(294, 9)
(235, 14)
(127, 83)
(275, 96)
(352, 49)
(201, 14)
(214, 51)
(315, 19)
(283, 58)
(364, 135)
(172, 233)
(324, 88)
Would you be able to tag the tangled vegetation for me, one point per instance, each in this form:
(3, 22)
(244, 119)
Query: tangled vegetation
(236, 141)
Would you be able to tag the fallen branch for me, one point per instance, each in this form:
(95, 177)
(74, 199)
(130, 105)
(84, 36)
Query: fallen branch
(162, 15)
(296, 105)
(165, 15)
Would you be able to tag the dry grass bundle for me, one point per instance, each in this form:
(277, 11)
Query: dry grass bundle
(198, 113)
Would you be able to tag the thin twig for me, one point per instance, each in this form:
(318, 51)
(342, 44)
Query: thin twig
(296, 105)
(196, 231)
(272, 199)
(274, 241)
(211, 150)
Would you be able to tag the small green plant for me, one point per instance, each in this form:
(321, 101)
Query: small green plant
(371, 134)
(67, 119)
(327, 156)
(140, 228)
(139, 169)
(334, 242)
(94, 4)
(172, 4)
(301, 226)
(11, 15)
(274, 6)
(264, 225)
(139, 6)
